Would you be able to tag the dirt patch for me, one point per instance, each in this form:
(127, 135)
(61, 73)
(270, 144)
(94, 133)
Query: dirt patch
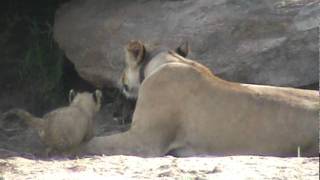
(130, 167)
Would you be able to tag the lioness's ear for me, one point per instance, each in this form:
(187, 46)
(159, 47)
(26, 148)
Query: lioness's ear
(183, 49)
(135, 52)
(72, 94)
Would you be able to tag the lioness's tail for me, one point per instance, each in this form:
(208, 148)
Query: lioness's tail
(31, 120)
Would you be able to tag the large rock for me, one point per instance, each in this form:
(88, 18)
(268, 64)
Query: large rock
(253, 41)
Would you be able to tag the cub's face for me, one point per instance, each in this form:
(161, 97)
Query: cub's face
(130, 78)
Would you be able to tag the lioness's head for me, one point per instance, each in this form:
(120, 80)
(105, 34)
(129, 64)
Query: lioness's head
(136, 59)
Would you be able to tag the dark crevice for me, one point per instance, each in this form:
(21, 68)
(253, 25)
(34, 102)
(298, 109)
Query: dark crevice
(314, 86)
(121, 107)
(72, 80)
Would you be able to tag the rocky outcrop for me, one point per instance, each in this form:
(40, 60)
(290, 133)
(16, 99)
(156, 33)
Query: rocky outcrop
(257, 41)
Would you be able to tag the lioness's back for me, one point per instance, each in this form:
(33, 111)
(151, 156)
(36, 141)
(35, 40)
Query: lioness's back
(258, 119)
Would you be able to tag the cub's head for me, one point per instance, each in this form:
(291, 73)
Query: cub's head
(86, 99)
(136, 59)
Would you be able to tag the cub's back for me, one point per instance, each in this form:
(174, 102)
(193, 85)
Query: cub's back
(66, 126)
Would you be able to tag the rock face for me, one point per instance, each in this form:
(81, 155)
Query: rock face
(251, 41)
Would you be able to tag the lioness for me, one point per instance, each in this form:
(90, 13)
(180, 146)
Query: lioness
(183, 109)
(65, 127)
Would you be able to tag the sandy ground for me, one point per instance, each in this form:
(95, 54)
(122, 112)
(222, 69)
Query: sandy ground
(130, 167)
(21, 149)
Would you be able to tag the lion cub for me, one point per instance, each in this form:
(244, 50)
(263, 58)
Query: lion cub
(65, 127)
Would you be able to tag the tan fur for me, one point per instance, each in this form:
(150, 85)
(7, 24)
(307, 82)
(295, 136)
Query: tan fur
(183, 109)
(65, 127)
(134, 55)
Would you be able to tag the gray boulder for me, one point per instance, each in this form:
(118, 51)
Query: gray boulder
(252, 41)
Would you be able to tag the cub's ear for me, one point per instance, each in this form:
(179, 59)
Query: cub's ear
(97, 96)
(135, 52)
(183, 49)
(72, 94)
